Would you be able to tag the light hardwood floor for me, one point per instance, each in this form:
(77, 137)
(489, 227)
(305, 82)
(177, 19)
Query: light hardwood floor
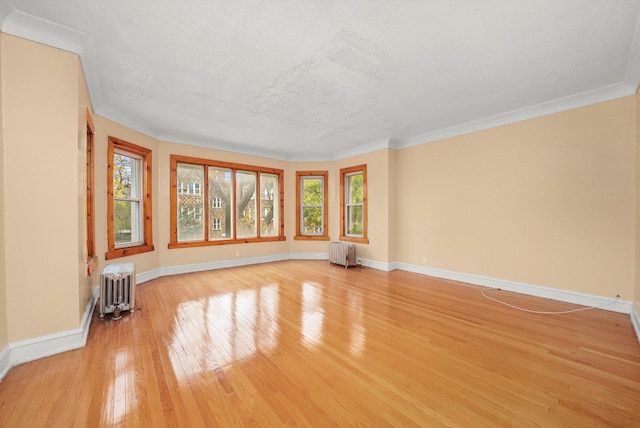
(308, 344)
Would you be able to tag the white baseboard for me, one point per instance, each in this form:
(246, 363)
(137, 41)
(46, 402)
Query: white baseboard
(635, 320)
(5, 361)
(584, 299)
(387, 267)
(35, 348)
(221, 264)
(148, 275)
(309, 256)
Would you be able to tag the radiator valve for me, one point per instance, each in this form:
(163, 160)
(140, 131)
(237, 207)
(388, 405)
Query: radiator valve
(116, 312)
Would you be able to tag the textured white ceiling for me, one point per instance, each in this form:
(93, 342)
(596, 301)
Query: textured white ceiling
(327, 79)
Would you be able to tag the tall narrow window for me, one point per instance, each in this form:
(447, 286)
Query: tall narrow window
(246, 222)
(129, 204)
(236, 203)
(312, 205)
(190, 226)
(269, 213)
(353, 204)
(221, 197)
(92, 259)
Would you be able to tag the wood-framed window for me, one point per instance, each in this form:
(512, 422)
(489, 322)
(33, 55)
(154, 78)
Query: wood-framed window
(92, 258)
(240, 203)
(353, 204)
(312, 208)
(129, 199)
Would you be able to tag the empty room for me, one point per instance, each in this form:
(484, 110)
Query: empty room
(319, 213)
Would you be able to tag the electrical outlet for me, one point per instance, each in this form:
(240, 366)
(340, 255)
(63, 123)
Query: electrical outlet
(424, 259)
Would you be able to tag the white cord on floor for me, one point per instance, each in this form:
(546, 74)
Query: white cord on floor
(543, 312)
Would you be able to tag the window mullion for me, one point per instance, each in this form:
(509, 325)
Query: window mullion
(258, 216)
(205, 201)
(234, 204)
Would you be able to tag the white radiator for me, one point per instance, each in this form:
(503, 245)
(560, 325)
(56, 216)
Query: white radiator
(117, 289)
(342, 253)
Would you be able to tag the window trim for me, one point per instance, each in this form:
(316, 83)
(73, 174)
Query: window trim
(115, 251)
(92, 258)
(344, 172)
(299, 235)
(206, 163)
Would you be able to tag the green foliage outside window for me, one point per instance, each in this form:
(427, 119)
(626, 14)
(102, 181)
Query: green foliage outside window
(312, 202)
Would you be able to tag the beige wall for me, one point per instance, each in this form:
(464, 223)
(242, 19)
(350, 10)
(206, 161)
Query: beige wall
(392, 206)
(40, 95)
(378, 197)
(4, 334)
(637, 213)
(548, 201)
(104, 129)
(86, 283)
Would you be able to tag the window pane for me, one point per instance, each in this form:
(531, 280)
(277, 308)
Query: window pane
(220, 203)
(190, 204)
(125, 222)
(354, 218)
(126, 170)
(354, 185)
(312, 206)
(246, 204)
(312, 191)
(312, 221)
(269, 205)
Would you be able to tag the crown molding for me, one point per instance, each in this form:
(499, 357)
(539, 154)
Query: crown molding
(632, 75)
(364, 149)
(43, 31)
(583, 99)
(30, 27)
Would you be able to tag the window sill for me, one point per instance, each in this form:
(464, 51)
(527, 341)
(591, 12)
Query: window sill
(354, 239)
(173, 245)
(122, 252)
(311, 238)
(92, 264)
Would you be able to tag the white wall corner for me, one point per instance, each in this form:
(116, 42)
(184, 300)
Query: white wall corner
(386, 267)
(5, 361)
(635, 320)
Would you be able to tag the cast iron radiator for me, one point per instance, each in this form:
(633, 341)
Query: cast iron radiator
(342, 253)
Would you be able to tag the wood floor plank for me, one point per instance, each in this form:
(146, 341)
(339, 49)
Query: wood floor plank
(305, 343)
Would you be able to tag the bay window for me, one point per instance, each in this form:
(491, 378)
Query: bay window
(240, 203)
